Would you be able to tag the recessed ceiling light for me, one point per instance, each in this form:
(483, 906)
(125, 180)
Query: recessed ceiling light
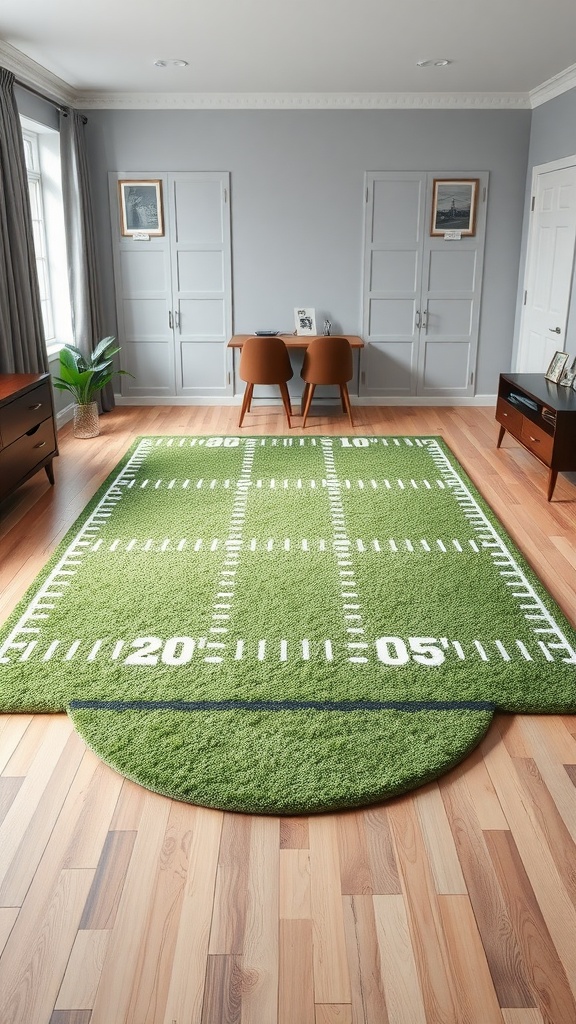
(170, 62)
(439, 63)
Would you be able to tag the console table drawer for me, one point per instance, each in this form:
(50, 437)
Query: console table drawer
(19, 458)
(537, 441)
(25, 412)
(508, 416)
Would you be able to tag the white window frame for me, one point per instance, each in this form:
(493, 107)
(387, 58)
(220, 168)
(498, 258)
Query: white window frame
(44, 176)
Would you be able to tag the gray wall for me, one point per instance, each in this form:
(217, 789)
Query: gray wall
(552, 137)
(297, 200)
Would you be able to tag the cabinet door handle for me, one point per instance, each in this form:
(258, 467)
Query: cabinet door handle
(170, 321)
(177, 319)
(418, 319)
(40, 444)
(34, 407)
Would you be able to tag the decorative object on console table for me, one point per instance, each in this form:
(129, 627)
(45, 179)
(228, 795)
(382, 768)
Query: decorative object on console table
(556, 368)
(27, 429)
(305, 321)
(84, 376)
(542, 417)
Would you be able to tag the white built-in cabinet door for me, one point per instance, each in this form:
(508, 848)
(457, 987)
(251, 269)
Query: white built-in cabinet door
(174, 292)
(421, 296)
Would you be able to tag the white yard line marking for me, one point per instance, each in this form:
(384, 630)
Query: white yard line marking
(111, 497)
(491, 539)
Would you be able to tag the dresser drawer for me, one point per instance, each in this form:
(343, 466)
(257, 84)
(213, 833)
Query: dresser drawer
(25, 412)
(537, 441)
(510, 417)
(23, 455)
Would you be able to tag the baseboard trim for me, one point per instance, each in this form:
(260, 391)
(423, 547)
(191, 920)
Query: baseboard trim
(489, 400)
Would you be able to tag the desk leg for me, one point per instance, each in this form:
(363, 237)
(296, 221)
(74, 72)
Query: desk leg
(552, 482)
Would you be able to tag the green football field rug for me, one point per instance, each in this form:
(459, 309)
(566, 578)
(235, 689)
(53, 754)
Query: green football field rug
(286, 624)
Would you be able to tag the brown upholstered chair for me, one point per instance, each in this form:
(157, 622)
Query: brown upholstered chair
(327, 361)
(265, 361)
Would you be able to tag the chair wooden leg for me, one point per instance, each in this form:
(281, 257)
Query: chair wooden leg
(311, 388)
(246, 402)
(346, 406)
(286, 401)
(303, 399)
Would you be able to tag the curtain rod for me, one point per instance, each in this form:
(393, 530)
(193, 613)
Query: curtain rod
(42, 96)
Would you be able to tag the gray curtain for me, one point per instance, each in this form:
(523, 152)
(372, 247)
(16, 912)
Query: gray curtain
(22, 345)
(87, 318)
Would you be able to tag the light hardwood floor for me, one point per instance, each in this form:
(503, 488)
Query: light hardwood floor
(455, 904)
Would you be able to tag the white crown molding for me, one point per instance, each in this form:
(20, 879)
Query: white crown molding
(555, 86)
(30, 73)
(303, 101)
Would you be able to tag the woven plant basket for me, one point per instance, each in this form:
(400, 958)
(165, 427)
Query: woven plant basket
(86, 420)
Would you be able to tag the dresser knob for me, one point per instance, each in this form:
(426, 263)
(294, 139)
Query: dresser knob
(34, 407)
(40, 444)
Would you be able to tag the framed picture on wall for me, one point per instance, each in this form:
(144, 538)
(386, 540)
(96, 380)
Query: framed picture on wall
(556, 368)
(141, 207)
(454, 205)
(305, 321)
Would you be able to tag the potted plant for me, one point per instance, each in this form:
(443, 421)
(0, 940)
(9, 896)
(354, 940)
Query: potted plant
(83, 376)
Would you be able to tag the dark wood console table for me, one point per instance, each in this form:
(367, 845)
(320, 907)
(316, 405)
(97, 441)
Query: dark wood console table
(27, 429)
(540, 415)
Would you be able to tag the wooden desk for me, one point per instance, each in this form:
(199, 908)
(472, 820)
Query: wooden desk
(298, 341)
(295, 341)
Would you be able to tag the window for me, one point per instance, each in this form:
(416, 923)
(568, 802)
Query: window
(42, 153)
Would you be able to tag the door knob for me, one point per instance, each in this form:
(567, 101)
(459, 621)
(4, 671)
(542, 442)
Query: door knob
(555, 330)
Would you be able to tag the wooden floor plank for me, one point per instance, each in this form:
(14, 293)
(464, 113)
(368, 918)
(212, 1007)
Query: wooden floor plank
(476, 999)
(296, 983)
(294, 888)
(260, 948)
(83, 972)
(368, 999)
(222, 992)
(188, 968)
(423, 912)
(38, 949)
(558, 911)
(444, 863)
(154, 967)
(229, 916)
(404, 998)
(331, 974)
(501, 949)
(549, 981)
(121, 964)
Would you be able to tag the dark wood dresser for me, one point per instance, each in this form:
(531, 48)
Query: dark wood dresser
(541, 415)
(27, 429)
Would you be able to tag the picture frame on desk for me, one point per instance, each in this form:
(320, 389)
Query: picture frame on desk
(305, 320)
(556, 368)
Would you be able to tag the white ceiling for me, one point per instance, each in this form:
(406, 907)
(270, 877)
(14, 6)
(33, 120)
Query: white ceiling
(503, 48)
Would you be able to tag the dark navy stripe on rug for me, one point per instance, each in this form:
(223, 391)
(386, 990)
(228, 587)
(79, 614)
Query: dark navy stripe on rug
(282, 705)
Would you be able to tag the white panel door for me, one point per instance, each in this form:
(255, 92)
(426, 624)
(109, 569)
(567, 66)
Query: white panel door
(201, 281)
(174, 292)
(421, 292)
(393, 249)
(549, 268)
